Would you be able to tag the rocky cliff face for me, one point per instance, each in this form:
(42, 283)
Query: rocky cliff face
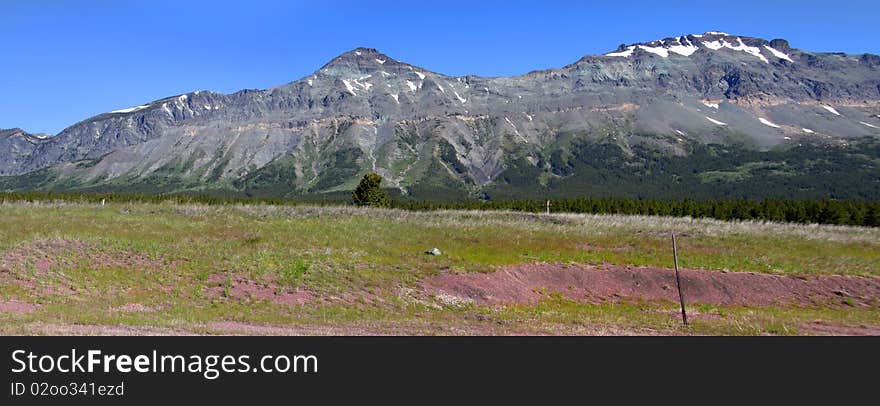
(16, 146)
(433, 135)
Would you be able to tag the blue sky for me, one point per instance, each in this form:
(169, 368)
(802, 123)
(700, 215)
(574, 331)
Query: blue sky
(64, 61)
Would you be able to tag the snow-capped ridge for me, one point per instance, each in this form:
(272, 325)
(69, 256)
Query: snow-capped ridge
(130, 109)
(687, 45)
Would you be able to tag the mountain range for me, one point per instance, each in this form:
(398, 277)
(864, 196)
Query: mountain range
(700, 116)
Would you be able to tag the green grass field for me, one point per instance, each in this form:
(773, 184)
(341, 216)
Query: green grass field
(70, 268)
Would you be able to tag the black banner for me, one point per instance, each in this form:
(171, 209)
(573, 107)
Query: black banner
(413, 370)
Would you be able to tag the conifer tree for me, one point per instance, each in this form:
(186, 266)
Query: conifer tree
(368, 192)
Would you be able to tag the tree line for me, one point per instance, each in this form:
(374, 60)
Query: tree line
(840, 212)
(857, 213)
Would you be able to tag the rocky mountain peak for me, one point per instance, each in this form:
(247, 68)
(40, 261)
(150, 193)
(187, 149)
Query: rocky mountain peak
(780, 44)
(365, 72)
(359, 59)
(18, 132)
(4, 133)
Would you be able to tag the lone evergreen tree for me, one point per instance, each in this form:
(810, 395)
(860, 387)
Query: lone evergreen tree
(368, 192)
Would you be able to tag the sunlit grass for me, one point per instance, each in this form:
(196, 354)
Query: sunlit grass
(366, 257)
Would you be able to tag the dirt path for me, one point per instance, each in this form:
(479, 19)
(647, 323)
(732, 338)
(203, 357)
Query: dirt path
(530, 283)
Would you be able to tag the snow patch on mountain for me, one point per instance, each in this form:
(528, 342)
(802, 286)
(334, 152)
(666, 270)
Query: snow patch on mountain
(767, 122)
(655, 50)
(365, 85)
(745, 48)
(684, 50)
(740, 46)
(629, 50)
(349, 87)
(715, 121)
(713, 45)
(831, 110)
(685, 47)
(131, 109)
(516, 131)
(777, 53)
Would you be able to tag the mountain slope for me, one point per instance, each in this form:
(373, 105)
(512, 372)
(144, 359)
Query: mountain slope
(699, 115)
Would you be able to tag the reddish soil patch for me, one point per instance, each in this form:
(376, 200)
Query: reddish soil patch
(99, 330)
(44, 255)
(40, 265)
(828, 328)
(239, 287)
(356, 328)
(262, 329)
(594, 284)
(14, 306)
(467, 327)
